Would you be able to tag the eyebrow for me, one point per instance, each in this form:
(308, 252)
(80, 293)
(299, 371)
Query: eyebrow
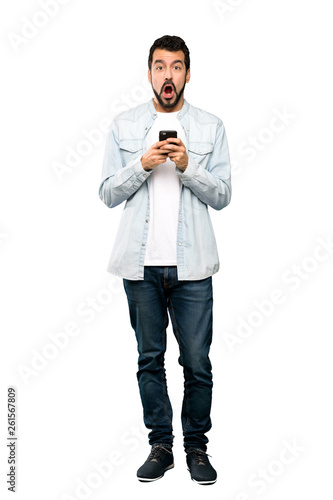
(173, 62)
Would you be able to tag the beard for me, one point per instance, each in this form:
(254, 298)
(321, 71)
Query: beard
(174, 100)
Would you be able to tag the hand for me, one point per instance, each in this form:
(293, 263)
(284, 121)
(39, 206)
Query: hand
(176, 152)
(154, 156)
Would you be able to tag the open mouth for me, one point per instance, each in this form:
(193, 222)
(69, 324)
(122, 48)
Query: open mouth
(168, 91)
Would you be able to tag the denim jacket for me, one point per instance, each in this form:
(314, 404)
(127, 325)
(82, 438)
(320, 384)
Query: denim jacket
(205, 182)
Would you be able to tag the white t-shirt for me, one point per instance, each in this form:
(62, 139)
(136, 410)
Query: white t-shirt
(164, 197)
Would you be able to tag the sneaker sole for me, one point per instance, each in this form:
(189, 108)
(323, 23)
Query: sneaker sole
(205, 483)
(149, 480)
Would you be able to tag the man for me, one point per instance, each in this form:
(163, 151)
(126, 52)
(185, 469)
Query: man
(165, 248)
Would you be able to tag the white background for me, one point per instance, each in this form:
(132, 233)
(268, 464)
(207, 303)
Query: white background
(250, 59)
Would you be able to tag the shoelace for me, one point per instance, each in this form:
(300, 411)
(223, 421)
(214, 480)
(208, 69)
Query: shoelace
(200, 457)
(157, 453)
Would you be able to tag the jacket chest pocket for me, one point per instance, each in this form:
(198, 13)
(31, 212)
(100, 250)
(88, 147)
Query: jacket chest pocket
(130, 149)
(200, 152)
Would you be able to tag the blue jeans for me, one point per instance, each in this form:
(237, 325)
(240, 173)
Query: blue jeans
(190, 305)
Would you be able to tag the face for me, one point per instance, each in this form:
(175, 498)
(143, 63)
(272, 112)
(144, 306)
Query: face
(168, 77)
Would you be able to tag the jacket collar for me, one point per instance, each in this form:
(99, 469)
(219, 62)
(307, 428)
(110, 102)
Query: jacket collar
(181, 113)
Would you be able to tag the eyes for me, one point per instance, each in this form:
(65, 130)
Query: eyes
(176, 67)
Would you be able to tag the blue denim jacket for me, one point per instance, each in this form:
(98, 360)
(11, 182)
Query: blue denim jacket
(206, 181)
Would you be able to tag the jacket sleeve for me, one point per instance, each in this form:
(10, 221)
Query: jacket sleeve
(212, 185)
(119, 182)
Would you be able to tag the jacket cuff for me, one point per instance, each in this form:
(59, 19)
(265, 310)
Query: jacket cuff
(190, 171)
(139, 171)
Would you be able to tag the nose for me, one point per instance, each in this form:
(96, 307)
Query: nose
(168, 75)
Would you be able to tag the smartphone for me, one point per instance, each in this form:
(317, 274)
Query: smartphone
(164, 134)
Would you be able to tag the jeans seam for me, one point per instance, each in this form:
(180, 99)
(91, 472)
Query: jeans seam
(164, 378)
(181, 357)
(164, 275)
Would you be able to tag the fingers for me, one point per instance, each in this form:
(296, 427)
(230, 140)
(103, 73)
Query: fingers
(159, 144)
(173, 143)
(173, 147)
(168, 142)
(174, 139)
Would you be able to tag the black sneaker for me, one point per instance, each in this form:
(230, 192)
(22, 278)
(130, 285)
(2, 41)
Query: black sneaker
(199, 466)
(159, 461)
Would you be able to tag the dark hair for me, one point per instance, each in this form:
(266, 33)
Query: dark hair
(171, 43)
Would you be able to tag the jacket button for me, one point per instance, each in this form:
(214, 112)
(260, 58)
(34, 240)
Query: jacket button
(146, 220)
(143, 244)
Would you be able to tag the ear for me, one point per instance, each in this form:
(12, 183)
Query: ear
(188, 75)
(149, 75)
